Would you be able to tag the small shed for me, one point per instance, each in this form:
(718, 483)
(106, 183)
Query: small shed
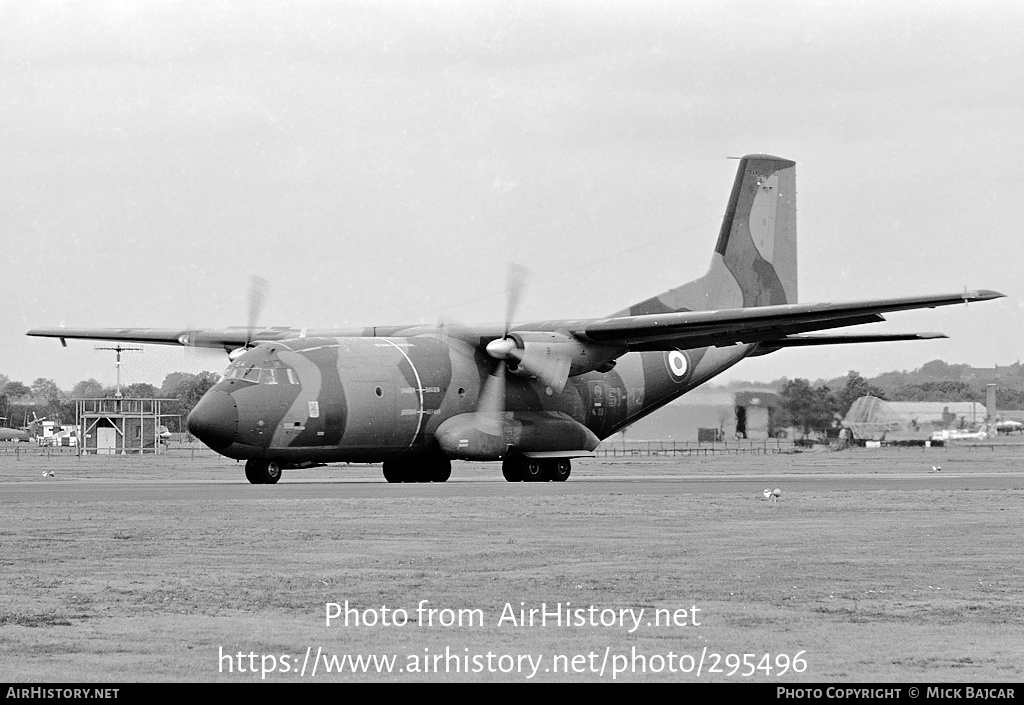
(757, 413)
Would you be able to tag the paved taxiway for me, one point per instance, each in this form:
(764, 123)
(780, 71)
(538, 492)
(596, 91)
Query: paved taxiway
(364, 486)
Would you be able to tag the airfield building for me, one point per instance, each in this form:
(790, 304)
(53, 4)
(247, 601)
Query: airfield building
(112, 426)
(709, 414)
(872, 419)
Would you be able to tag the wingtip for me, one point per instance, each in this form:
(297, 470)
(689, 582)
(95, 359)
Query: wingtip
(983, 295)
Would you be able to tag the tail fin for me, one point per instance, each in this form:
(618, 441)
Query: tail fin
(755, 259)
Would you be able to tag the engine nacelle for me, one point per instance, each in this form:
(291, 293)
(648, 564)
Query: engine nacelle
(534, 348)
(551, 357)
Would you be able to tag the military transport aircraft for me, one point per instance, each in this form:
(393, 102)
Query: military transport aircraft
(533, 395)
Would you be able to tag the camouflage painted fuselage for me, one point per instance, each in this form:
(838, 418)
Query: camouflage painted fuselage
(368, 399)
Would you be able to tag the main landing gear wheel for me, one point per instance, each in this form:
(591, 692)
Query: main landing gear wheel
(418, 470)
(262, 472)
(510, 469)
(532, 470)
(441, 470)
(392, 472)
(558, 469)
(519, 468)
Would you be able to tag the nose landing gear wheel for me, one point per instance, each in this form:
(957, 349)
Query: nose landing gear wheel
(272, 472)
(262, 472)
(251, 473)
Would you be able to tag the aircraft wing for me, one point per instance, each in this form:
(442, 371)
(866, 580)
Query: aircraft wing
(226, 339)
(235, 337)
(771, 325)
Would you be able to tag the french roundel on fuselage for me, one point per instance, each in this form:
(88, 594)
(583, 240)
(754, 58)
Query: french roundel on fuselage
(677, 362)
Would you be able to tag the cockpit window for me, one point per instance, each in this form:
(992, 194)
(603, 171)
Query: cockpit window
(267, 372)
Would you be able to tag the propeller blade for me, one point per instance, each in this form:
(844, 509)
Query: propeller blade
(551, 369)
(517, 275)
(258, 287)
(490, 408)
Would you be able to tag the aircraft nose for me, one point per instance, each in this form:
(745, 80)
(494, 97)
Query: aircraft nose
(214, 420)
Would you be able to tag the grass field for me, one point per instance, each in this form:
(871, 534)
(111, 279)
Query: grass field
(126, 569)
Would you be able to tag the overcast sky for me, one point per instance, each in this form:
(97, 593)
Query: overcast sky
(381, 162)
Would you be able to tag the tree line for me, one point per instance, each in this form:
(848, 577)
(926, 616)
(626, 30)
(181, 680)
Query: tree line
(816, 406)
(822, 405)
(20, 403)
(811, 407)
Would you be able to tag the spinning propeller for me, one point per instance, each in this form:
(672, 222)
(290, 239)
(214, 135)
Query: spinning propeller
(258, 287)
(548, 356)
(492, 398)
(542, 361)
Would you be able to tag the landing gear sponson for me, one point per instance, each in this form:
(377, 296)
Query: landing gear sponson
(514, 468)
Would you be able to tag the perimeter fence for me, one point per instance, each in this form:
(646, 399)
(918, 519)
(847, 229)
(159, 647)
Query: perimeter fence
(179, 451)
(608, 449)
(625, 449)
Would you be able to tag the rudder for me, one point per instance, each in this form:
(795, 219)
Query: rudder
(754, 263)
